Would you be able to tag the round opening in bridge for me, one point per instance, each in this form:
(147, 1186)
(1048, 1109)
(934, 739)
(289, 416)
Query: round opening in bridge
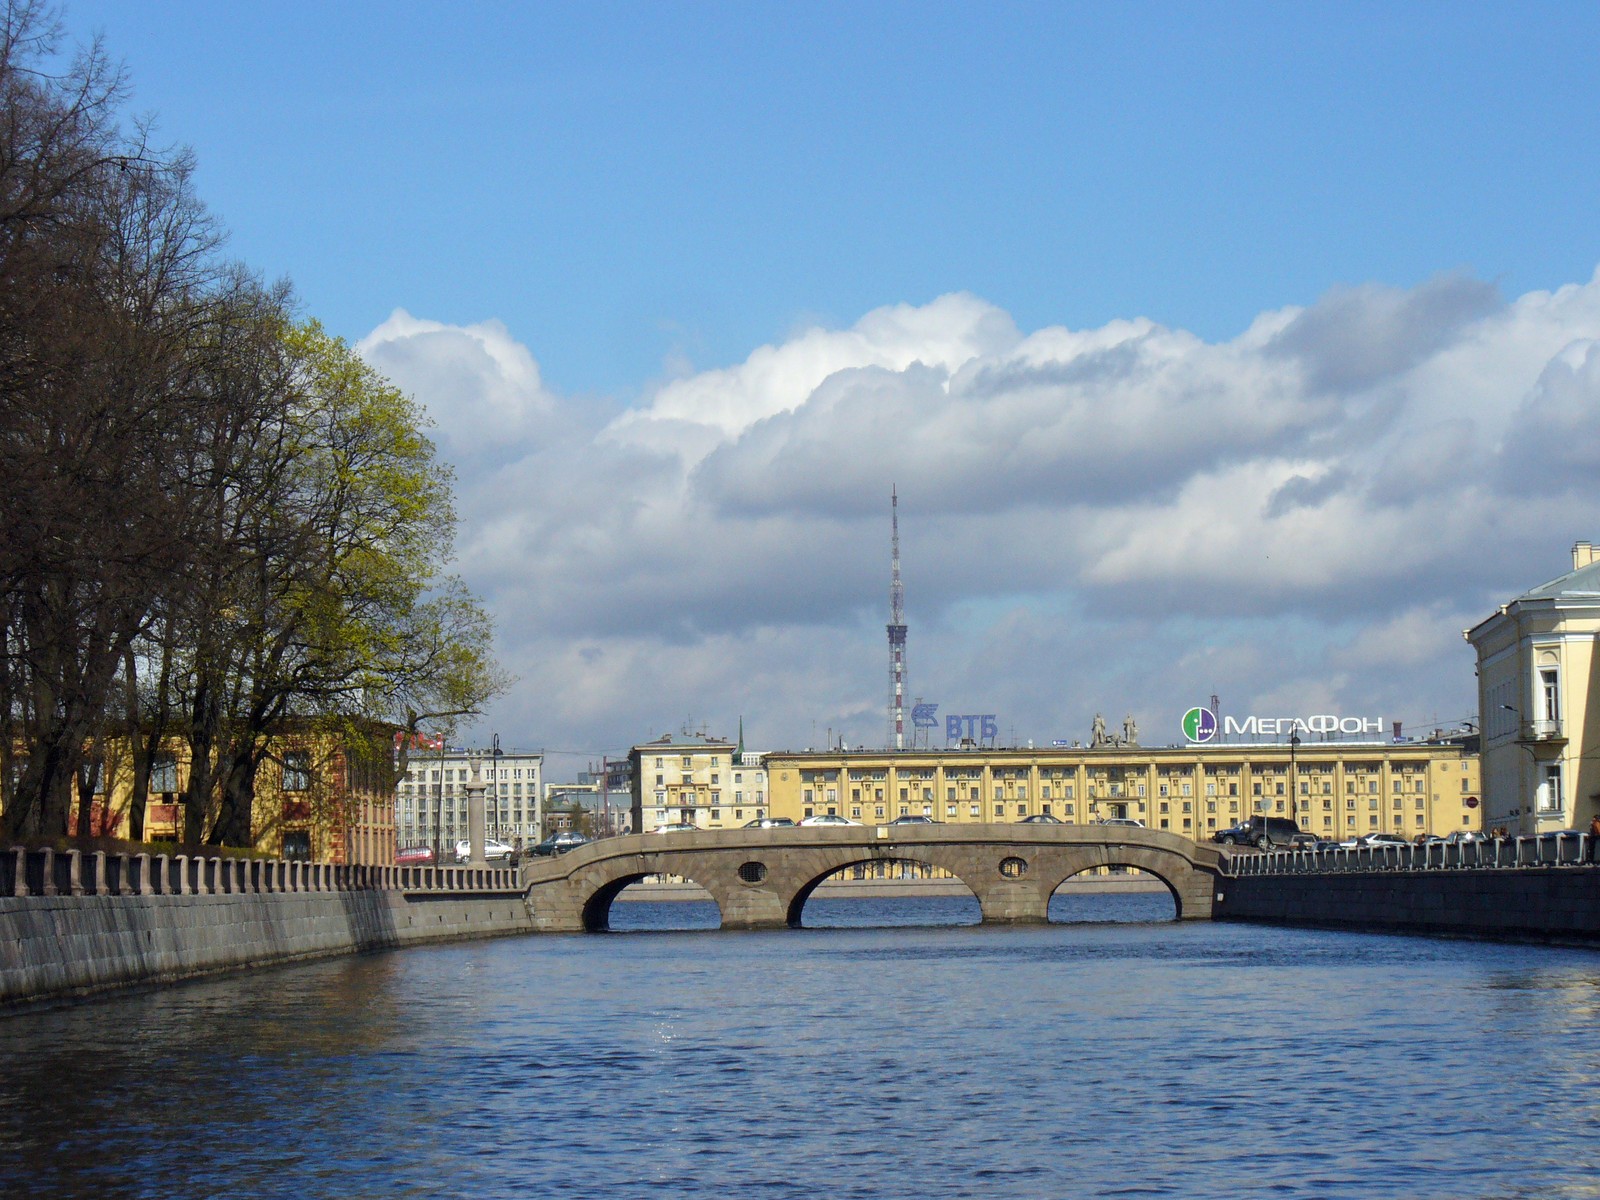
(753, 872)
(1112, 895)
(1013, 867)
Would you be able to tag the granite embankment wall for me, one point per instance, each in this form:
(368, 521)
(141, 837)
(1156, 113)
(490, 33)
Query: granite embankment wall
(1546, 904)
(73, 925)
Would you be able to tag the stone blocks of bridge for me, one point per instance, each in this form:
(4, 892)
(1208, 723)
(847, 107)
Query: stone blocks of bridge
(763, 882)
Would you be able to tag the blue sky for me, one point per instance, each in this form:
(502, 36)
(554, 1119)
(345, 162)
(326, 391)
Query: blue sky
(625, 183)
(1239, 348)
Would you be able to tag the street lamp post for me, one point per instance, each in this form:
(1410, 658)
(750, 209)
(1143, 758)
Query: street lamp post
(1294, 776)
(495, 754)
(438, 811)
(1530, 807)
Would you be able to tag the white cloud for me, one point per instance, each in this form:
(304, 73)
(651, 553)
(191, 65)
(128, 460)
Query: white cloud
(1108, 519)
(479, 384)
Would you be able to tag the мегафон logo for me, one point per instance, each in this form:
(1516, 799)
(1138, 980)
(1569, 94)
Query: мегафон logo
(1199, 724)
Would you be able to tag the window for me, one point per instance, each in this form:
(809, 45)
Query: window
(1550, 695)
(296, 771)
(164, 773)
(1550, 794)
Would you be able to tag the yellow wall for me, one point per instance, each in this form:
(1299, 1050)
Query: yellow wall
(347, 808)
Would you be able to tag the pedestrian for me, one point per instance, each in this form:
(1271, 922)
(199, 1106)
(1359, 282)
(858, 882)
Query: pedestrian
(1594, 839)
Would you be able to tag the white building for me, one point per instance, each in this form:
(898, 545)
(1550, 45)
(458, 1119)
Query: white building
(432, 802)
(1539, 700)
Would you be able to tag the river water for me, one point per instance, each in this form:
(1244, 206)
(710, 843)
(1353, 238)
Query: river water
(879, 1057)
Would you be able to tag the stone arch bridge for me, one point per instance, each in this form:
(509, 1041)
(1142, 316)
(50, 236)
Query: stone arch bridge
(761, 878)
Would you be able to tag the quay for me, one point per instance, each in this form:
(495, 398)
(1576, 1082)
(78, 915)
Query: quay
(74, 924)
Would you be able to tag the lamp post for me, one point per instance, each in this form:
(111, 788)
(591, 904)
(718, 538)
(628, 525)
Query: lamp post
(1294, 776)
(1531, 806)
(495, 754)
(438, 811)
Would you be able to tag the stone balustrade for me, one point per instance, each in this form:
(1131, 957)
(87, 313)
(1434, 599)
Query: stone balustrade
(25, 872)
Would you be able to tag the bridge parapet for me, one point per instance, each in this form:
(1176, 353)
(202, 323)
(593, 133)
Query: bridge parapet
(761, 878)
(1567, 848)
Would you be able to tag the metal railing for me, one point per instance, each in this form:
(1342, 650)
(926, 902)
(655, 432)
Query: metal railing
(1491, 854)
(25, 872)
(1543, 730)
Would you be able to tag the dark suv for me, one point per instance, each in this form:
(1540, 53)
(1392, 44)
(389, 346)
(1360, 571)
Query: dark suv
(1278, 831)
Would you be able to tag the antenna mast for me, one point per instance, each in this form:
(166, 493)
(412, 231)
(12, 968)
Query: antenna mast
(897, 631)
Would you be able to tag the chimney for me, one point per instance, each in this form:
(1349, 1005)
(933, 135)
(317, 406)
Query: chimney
(1583, 553)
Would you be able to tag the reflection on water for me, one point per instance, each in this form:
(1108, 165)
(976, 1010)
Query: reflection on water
(871, 1057)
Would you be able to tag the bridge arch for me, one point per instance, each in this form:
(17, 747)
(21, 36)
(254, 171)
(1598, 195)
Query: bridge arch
(1119, 886)
(795, 907)
(597, 908)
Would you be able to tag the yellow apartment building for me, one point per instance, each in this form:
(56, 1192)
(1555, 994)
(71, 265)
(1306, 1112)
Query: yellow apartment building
(1539, 698)
(695, 780)
(319, 797)
(1333, 789)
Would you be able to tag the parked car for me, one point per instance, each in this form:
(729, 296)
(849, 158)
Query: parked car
(828, 819)
(414, 856)
(1264, 832)
(560, 843)
(1375, 839)
(913, 820)
(1041, 819)
(1466, 835)
(676, 827)
(770, 823)
(1129, 821)
(495, 852)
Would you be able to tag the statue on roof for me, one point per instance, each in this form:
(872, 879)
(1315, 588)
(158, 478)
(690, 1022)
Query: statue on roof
(1130, 730)
(1097, 735)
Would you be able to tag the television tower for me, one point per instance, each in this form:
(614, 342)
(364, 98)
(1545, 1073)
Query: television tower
(897, 631)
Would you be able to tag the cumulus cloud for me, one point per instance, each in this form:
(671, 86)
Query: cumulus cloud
(1107, 519)
(480, 385)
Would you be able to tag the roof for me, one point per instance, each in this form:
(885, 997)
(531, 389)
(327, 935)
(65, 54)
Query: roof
(1584, 583)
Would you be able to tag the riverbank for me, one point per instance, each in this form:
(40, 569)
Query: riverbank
(874, 889)
(76, 924)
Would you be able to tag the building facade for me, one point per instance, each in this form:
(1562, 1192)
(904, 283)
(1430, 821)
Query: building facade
(1539, 697)
(431, 804)
(696, 780)
(319, 796)
(1333, 789)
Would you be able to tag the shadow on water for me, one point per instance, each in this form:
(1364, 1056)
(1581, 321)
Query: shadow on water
(663, 916)
(1099, 908)
(891, 912)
